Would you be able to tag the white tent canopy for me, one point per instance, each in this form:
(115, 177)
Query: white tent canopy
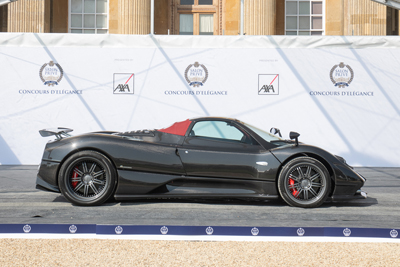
(5, 2)
(339, 92)
(391, 3)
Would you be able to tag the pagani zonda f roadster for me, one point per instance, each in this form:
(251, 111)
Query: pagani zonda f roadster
(197, 158)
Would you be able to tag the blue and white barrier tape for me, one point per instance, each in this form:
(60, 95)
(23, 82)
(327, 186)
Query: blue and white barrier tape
(167, 230)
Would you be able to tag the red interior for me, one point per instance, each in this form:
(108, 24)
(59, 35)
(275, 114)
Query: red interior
(178, 128)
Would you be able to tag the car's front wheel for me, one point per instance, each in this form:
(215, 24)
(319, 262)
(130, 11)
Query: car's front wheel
(87, 178)
(304, 182)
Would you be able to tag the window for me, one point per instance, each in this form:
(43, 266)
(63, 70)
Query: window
(206, 24)
(196, 17)
(186, 24)
(88, 16)
(216, 129)
(264, 135)
(199, 2)
(304, 17)
(205, 2)
(187, 2)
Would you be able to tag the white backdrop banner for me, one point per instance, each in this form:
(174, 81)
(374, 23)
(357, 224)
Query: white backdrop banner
(339, 93)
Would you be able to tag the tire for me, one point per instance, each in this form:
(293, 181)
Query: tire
(87, 178)
(304, 182)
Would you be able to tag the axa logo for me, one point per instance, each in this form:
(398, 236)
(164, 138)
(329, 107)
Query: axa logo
(268, 84)
(122, 88)
(267, 89)
(123, 83)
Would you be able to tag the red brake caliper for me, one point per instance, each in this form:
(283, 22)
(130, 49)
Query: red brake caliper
(294, 190)
(74, 175)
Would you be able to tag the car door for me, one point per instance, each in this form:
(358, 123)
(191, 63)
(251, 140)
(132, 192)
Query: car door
(221, 149)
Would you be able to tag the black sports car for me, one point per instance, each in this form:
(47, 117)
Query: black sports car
(197, 158)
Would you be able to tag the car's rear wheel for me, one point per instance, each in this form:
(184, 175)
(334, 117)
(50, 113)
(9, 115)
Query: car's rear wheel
(87, 178)
(304, 182)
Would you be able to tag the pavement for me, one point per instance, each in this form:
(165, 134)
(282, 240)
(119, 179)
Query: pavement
(21, 203)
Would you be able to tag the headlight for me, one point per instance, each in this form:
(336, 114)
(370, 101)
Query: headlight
(359, 175)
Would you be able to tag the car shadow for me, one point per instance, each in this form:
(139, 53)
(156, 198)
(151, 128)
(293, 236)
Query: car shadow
(109, 202)
(251, 202)
(60, 199)
(230, 201)
(370, 201)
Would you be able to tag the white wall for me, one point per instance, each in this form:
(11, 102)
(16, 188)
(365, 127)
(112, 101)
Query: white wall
(363, 129)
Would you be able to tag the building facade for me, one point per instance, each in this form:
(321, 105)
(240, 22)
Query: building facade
(201, 17)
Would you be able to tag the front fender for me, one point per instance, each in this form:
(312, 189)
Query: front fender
(346, 180)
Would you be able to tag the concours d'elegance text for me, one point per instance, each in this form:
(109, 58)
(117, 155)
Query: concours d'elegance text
(335, 93)
(196, 92)
(50, 92)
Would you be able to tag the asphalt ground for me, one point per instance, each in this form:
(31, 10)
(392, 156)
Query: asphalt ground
(21, 203)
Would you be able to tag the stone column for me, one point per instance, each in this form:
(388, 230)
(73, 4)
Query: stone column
(259, 17)
(134, 16)
(29, 16)
(364, 17)
(3, 18)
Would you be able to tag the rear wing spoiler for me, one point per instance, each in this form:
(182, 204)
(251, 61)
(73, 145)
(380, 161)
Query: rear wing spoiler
(59, 132)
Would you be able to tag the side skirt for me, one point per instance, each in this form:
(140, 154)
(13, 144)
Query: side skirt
(133, 184)
(193, 196)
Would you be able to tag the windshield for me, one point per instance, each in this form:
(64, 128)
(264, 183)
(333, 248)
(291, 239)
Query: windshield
(263, 134)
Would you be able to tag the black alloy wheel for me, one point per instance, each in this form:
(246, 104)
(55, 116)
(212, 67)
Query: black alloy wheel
(304, 182)
(87, 178)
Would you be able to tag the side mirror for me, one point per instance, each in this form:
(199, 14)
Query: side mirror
(295, 136)
(275, 131)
